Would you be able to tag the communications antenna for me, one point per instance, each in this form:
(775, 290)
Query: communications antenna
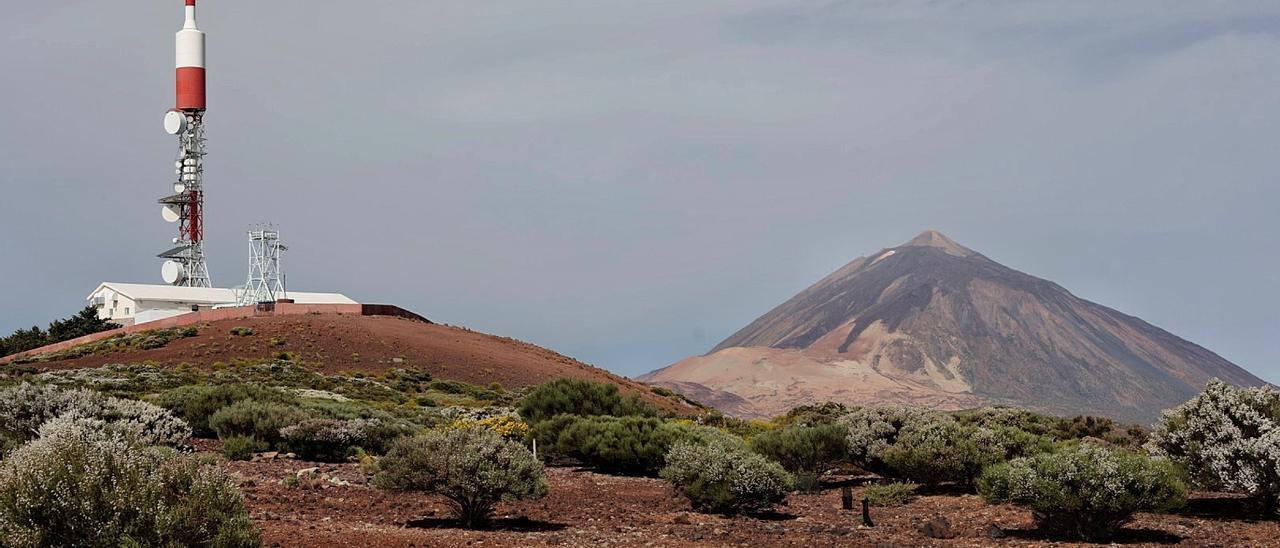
(185, 264)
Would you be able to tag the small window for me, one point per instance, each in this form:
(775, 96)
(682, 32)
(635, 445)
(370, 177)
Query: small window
(126, 311)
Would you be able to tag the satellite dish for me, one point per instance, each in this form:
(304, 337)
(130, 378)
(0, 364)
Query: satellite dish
(175, 122)
(179, 188)
(170, 214)
(171, 272)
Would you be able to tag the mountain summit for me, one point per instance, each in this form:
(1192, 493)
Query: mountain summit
(932, 322)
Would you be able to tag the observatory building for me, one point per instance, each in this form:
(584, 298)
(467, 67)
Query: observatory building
(129, 304)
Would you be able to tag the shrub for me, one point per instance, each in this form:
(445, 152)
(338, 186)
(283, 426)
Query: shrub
(890, 494)
(242, 447)
(805, 451)
(325, 440)
(1226, 438)
(872, 430)
(582, 398)
(262, 420)
(504, 425)
(24, 409)
(473, 468)
(725, 478)
(814, 414)
(625, 445)
(196, 403)
(1085, 492)
(242, 331)
(78, 486)
(945, 450)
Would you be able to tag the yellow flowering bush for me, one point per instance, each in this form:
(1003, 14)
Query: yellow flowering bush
(503, 425)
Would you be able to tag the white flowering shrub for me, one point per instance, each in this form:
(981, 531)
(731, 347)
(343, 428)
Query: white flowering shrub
(473, 468)
(25, 408)
(725, 478)
(871, 430)
(80, 485)
(1085, 492)
(1226, 438)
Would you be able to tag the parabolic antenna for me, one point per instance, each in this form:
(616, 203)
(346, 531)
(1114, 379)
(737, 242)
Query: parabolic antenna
(175, 122)
(179, 188)
(171, 272)
(170, 213)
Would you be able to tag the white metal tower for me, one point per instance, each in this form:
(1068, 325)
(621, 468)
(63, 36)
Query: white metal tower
(266, 279)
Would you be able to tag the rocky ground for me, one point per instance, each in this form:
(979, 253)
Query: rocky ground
(333, 505)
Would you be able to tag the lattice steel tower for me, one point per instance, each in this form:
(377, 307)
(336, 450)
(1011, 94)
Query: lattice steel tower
(185, 264)
(266, 279)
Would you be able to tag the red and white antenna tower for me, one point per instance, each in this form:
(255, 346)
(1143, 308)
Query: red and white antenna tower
(185, 264)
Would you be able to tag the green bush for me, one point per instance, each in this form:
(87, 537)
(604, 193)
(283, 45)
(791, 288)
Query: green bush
(805, 451)
(196, 403)
(582, 398)
(242, 331)
(473, 468)
(725, 478)
(890, 494)
(84, 487)
(262, 420)
(1085, 492)
(325, 440)
(946, 450)
(814, 414)
(624, 445)
(242, 447)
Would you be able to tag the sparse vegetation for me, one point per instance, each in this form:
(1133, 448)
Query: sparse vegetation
(473, 468)
(1085, 492)
(82, 486)
(196, 403)
(84, 322)
(144, 340)
(890, 494)
(261, 420)
(581, 398)
(25, 409)
(871, 431)
(726, 478)
(326, 440)
(242, 447)
(1226, 438)
(805, 451)
(947, 451)
(624, 445)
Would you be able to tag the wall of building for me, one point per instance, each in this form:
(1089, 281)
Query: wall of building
(114, 305)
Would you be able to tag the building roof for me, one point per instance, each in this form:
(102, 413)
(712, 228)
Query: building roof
(207, 295)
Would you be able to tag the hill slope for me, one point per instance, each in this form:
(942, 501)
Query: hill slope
(933, 322)
(336, 343)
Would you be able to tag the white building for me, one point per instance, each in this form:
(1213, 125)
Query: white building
(127, 304)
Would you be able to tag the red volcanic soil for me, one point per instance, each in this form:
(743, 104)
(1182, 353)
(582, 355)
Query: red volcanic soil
(338, 343)
(587, 509)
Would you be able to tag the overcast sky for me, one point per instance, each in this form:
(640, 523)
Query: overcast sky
(631, 182)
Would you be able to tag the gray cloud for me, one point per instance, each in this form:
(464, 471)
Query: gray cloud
(630, 182)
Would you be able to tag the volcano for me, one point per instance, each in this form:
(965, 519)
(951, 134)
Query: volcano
(934, 323)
